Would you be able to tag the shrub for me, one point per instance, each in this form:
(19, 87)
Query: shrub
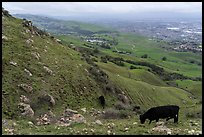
(133, 67)
(121, 106)
(111, 114)
(103, 59)
(194, 114)
(119, 63)
(115, 114)
(164, 58)
(96, 50)
(144, 56)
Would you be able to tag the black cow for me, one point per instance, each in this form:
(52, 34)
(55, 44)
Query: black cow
(102, 101)
(155, 113)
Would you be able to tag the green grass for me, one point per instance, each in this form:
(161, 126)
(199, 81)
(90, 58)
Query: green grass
(72, 86)
(142, 89)
(195, 87)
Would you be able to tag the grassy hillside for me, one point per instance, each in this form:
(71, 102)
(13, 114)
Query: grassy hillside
(70, 84)
(143, 90)
(74, 76)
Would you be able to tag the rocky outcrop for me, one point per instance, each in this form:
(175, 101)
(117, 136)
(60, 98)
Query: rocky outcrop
(98, 122)
(24, 99)
(70, 116)
(46, 119)
(26, 110)
(13, 63)
(36, 55)
(29, 41)
(161, 128)
(26, 88)
(28, 72)
(123, 98)
(49, 71)
(5, 13)
(32, 29)
(4, 37)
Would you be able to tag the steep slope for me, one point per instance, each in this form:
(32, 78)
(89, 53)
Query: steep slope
(39, 71)
(34, 65)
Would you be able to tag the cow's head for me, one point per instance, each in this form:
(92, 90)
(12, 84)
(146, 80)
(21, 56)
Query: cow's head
(142, 119)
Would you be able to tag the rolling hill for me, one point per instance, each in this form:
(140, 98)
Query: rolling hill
(52, 74)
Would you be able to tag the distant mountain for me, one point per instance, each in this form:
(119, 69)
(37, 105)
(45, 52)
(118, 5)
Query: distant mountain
(57, 26)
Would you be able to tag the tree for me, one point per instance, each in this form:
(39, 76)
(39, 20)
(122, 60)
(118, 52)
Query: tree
(164, 58)
(144, 56)
(133, 67)
(96, 50)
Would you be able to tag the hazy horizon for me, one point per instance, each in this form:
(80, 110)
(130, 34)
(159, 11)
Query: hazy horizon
(108, 10)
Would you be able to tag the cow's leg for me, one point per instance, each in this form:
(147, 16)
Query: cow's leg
(176, 119)
(168, 118)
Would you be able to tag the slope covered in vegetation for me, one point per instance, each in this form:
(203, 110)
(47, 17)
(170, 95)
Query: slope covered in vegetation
(45, 74)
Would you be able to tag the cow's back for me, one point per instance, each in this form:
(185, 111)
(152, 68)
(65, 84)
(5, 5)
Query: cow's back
(162, 112)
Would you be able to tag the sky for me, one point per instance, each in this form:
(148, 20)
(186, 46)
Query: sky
(76, 8)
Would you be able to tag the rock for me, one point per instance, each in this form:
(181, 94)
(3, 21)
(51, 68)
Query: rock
(24, 99)
(84, 110)
(27, 23)
(70, 112)
(199, 132)
(26, 109)
(92, 130)
(168, 132)
(29, 41)
(30, 123)
(4, 37)
(78, 118)
(160, 127)
(14, 124)
(112, 124)
(159, 124)
(43, 120)
(194, 124)
(13, 63)
(126, 129)
(98, 122)
(27, 71)
(26, 88)
(191, 132)
(27, 31)
(123, 98)
(135, 123)
(9, 130)
(36, 55)
(108, 132)
(52, 101)
(49, 71)
(4, 122)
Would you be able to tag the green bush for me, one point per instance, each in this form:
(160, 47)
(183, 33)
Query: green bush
(164, 58)
(112, 113)
(133, 67)
(144, 56)
(121, 106)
